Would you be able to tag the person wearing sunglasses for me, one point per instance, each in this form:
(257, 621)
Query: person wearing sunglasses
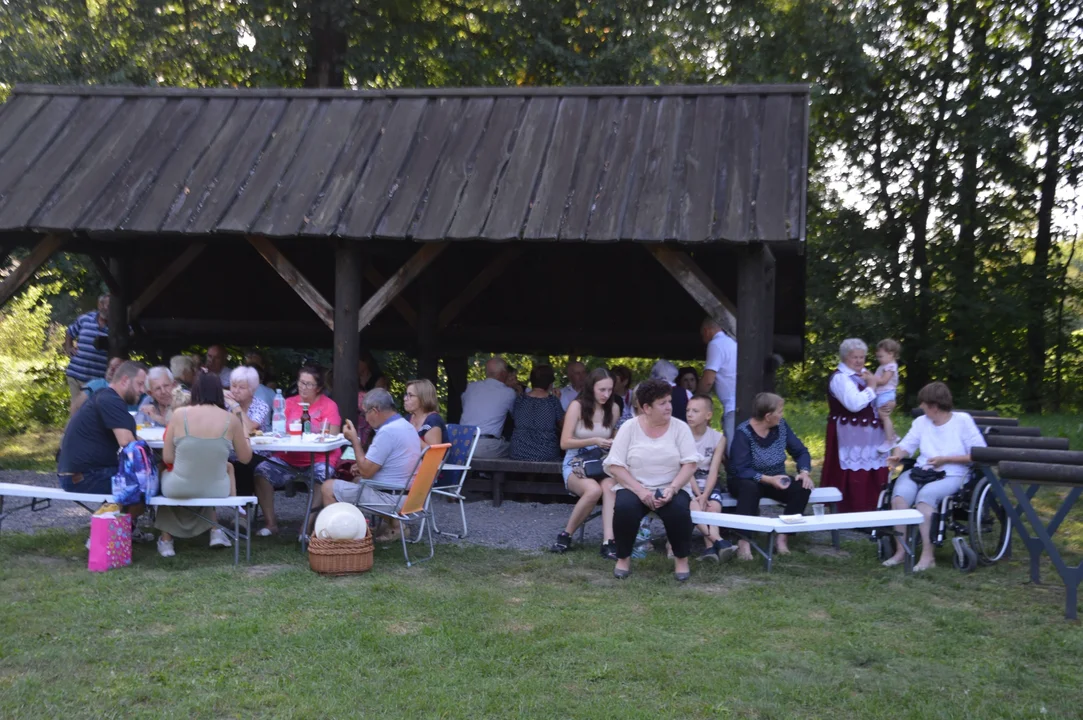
(280, 471)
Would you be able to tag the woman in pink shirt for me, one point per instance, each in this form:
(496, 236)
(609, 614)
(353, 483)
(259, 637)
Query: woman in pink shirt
(280, 471)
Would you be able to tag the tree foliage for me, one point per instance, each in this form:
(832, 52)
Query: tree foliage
(945, 147)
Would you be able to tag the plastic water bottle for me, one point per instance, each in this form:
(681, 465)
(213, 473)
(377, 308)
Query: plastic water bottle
(278, 419)
(643, 539)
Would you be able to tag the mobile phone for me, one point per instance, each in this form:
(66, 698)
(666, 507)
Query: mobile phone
(658, 494)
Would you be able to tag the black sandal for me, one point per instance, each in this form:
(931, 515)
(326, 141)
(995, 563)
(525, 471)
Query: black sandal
(609, 550)
(564, 541)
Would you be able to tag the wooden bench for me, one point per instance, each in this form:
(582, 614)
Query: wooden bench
(744, 524)
(502, 467)
(41, 498)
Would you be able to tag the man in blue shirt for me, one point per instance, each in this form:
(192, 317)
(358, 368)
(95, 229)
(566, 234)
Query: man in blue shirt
(87, 360)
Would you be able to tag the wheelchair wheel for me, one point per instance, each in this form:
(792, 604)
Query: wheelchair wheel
(990, 528)
(962, 556)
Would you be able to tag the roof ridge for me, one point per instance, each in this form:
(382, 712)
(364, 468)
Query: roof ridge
(331, 93)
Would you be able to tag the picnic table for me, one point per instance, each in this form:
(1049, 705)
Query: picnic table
(269, 443)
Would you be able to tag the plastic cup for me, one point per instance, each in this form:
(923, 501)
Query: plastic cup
(818, 509)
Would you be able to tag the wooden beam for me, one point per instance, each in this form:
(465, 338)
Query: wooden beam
(164, 279)
(104, 269)
(398, 282)
(750, 341)
(399, 303)
(427, 333)
(120, 275)
(456, 368)
(481, 281)
(347, 340)
(768, 314)
(293, 277)
(26, 269)
(696, 283)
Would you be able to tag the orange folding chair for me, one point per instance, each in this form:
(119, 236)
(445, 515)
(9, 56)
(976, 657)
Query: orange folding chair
(412, 504)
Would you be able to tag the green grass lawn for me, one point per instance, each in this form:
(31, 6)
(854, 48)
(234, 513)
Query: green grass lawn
(484, 633)
(479, 633)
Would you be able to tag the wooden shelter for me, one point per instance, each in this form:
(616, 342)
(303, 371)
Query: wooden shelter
(602, 221)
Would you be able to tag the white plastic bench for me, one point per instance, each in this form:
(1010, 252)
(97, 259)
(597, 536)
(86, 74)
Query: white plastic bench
(40, 498)
(820, 495)
(234, 501)
(811, 523)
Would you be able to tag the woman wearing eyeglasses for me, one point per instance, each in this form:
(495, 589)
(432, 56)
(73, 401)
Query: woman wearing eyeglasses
(280, 471)
(421, 408)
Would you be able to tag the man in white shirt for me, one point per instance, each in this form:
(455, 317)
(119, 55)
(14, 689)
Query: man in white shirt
(720, 371)
(577, 379)
(487, 404)
(389, 463)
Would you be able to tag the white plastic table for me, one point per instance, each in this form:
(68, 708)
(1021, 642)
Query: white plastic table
(267, 443)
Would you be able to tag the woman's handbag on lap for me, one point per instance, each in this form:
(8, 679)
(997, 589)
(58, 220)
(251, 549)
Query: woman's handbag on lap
(588, 463)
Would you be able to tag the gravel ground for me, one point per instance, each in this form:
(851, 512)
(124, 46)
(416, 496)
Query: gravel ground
(513, 525)
(520, 526)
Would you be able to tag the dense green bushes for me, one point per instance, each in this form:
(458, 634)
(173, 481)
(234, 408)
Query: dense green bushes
(33, 391)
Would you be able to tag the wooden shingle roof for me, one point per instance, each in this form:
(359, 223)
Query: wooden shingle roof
(691, 163)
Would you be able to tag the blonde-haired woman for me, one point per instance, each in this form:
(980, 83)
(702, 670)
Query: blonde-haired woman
(422, 409)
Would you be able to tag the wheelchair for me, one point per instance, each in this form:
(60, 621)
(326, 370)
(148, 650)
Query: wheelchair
(974, 515)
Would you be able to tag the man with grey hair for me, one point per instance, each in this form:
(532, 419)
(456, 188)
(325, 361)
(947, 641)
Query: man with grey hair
(667, 371)
(720, 372)
(487, 404)
(389, 463)
(158, 405)
(577, 380)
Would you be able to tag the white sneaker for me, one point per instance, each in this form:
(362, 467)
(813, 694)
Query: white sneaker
(219, 539)
(165, 548)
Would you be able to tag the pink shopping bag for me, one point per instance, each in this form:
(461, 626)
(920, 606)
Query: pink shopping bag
(110, 542)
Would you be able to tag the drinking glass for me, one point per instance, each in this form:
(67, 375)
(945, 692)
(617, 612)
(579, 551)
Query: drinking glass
(818, 509)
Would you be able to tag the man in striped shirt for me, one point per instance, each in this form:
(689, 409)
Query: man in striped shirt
(87, 361)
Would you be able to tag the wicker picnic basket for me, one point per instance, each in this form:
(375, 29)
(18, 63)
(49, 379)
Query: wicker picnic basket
(340, 557)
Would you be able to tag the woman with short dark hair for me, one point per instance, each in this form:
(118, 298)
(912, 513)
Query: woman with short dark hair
(757, 466)
(652, 460)
(537, 415)
(944, 439)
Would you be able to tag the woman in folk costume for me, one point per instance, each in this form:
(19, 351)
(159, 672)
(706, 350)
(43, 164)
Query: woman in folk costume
(852, 461)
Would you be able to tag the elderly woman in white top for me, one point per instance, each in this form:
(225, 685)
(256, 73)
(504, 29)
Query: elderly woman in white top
(652, 460)
(158, 405)
(852, 461)
(944, 439)
(255, 413)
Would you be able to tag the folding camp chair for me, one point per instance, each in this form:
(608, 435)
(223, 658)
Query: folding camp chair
(412, 504)
(463, 439)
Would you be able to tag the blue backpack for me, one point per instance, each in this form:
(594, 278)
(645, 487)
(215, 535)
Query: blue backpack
(137, 474)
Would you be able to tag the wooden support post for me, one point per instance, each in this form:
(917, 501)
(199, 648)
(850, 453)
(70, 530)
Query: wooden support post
(397, 282)
(455, 366)
(770, 366)
(120, 272)
(300, 284)
(29, 266)
(162, 281)
(696, 283)
(479, 282)
(347, 339)
(750, 330)
(427, 360)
